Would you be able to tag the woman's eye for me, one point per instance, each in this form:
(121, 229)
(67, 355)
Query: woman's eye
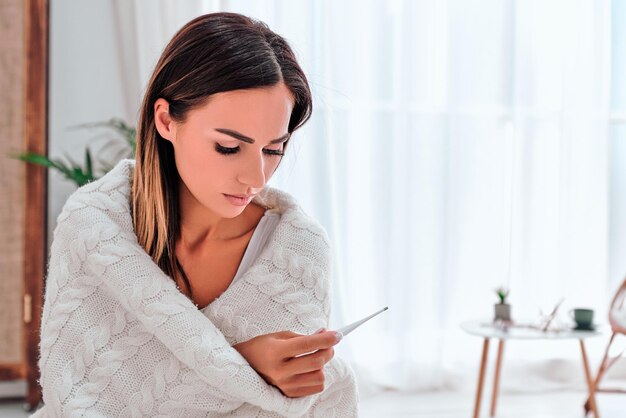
(274, 152)
(226, 150)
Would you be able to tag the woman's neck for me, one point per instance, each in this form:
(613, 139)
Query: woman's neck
(199, 226)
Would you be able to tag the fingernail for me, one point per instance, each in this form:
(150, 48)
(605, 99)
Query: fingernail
(338, 336)
(319, 331)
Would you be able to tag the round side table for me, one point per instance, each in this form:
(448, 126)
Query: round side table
(487, 330)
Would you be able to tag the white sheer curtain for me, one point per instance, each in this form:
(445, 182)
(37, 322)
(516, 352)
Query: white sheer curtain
(455, 146)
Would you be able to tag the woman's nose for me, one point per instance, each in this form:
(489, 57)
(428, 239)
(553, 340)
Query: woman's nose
(252, 173)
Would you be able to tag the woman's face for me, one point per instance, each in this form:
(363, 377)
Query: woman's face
(230, 146)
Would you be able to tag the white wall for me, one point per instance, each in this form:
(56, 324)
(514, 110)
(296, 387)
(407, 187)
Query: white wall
(85, 86)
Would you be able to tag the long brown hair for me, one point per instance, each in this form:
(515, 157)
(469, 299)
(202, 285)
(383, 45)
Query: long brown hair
(213, 53)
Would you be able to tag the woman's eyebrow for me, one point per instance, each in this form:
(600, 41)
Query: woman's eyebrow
(247, 139)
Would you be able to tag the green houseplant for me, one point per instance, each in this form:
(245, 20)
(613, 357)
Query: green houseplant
(502, 310)
(84, 173)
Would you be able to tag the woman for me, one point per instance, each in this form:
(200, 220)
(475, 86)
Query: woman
(179, 284)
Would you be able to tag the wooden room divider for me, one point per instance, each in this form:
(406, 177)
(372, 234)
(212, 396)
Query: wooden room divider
(23, 187)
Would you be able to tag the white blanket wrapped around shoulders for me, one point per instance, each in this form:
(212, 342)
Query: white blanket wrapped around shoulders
(118, 338)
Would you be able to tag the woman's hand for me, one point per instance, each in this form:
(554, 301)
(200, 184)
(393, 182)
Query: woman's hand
(292, 362)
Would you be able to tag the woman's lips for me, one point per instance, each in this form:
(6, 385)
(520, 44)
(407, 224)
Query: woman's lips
(240, 200)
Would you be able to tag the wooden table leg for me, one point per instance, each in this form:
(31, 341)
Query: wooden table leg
(496, 379)
(590, 381)
(481, 378)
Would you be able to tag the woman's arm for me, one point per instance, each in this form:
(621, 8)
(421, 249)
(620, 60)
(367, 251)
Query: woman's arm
(165, 312)
(206, 349)
(99, 253)
(294, 280)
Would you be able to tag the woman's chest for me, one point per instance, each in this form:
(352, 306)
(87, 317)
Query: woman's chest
(211, 271)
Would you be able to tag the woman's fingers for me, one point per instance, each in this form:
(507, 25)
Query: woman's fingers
(308, 363)
(292, 362)
(310, 343)
(305, 384)
(303, 391)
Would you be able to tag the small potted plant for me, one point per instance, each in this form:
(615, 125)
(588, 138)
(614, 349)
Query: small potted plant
(502, 309)
(80, 174)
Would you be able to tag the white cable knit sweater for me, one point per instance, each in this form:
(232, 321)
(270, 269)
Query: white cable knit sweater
(118, 339)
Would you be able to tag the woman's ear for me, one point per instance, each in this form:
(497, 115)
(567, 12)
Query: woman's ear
(164, 123)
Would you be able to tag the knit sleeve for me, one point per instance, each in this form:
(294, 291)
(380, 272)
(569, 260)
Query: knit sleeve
(340, 395)
(294, 277)
(103, 253)
(291, 287)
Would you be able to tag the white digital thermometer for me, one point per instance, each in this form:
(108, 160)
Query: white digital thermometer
(349, 328)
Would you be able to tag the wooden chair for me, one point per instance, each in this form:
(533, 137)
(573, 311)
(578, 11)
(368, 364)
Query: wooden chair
(617, 320)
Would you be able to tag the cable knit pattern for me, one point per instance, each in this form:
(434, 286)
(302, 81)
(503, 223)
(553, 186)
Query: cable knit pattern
(119, 339)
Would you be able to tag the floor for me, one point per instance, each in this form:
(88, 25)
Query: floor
(455, 405)
(460, 405)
